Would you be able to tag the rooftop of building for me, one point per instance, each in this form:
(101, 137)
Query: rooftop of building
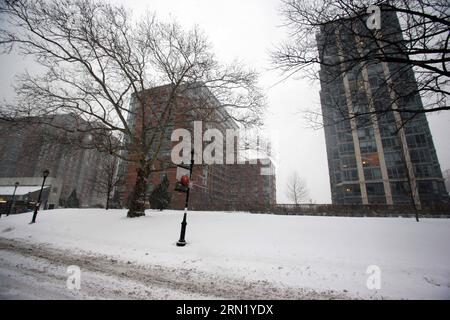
(195, 90)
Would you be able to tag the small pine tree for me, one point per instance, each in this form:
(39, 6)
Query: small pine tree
(72, 200)
(160, 196)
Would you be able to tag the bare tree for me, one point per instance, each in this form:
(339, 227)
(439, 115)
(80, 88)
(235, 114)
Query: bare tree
(107, 178)
(96, 59)
(296, 189)
(420, 41)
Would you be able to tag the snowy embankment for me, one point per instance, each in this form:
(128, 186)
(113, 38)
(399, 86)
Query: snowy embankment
(322, 254)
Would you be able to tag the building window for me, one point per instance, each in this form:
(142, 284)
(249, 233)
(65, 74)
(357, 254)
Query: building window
(352, 190)
(420, 155)
(368, 147)
(418, 140)
(348, 163)
(350, 175)
(346, 148)
(370, 160)
(365, 133)
(391, 143)
(372, 173)
(400, 188)
(422, 171)
(375, 189)
(396, 172)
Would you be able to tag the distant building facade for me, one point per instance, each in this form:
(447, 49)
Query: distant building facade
(25, 152)
(215, 186)
(371, 160)
(252, 185)
(446, 176)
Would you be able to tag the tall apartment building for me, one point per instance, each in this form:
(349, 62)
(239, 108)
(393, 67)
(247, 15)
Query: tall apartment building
(26, 151)
(216, 186)
(371, 159)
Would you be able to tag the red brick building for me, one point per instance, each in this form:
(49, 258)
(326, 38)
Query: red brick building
(252, 185)
(216, 186)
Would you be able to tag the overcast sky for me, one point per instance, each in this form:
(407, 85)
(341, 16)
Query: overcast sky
(248, 29)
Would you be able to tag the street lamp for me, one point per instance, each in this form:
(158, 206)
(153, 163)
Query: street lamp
(38, 203)
(182, 241)
(13, 199)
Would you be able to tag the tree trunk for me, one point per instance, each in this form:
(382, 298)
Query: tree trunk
(107, 200)
(137, 203)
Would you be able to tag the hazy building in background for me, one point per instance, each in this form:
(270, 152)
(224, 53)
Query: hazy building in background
(27, 150)
(251, 186)
(371, 160)
(446, 175)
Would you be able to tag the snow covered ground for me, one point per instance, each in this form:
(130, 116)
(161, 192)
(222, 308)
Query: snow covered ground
(229, 255)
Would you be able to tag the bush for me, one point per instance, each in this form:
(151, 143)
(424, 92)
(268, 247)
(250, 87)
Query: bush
(72, 200)
(160, 197)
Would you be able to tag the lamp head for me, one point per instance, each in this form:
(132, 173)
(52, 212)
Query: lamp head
(46, 173)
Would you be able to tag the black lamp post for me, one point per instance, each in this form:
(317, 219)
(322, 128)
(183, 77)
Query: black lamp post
(182, 241)
(13, 199)
(38, 203)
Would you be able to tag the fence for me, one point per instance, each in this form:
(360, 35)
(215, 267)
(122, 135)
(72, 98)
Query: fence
(436, 211)
(361, 210)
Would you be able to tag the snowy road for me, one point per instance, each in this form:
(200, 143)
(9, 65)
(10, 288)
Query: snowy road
(36, 272)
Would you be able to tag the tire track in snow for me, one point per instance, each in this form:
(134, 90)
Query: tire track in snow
(133, 281)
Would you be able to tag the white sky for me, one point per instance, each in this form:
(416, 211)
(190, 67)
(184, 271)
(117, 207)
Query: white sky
(248, 29)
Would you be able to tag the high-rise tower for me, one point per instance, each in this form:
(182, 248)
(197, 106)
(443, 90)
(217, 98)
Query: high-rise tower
(375, 158)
